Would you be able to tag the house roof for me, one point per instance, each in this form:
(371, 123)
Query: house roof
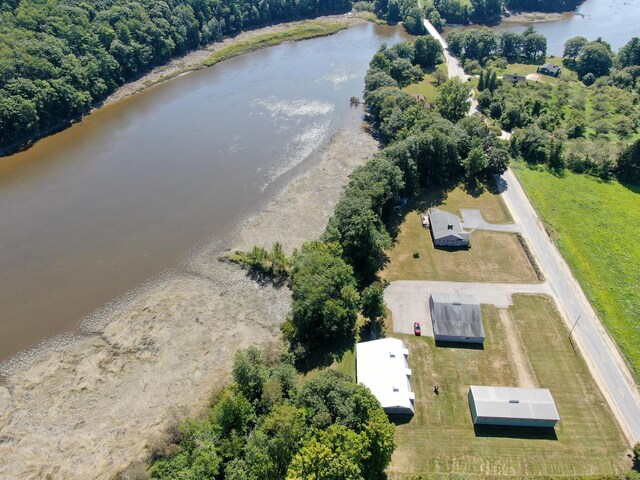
(516, 403)
(445, 224)
(456, 315)
(552, 67)
(382, 366)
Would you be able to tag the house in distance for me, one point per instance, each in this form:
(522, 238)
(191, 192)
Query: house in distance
(456, 318)
(550, 69)
(446, 229)
(382, 365)
(512, 407)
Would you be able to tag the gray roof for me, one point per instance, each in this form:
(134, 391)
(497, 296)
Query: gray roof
(444, 224)
(456, 315)
(517, 403)
(552, 67)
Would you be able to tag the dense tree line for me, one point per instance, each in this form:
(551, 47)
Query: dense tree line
(477, 46)
(265, 426)
(58, 57)
(406, 11)
(489, 11)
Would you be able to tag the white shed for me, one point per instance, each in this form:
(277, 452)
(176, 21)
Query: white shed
(515, 407)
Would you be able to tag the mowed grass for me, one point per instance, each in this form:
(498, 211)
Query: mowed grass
(441, 438)
(427, 87)
(493, 256)
(596, 225)
(307, 29)
(527, 68)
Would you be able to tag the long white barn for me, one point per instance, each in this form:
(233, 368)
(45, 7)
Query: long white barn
(515, 407)
(382, 365)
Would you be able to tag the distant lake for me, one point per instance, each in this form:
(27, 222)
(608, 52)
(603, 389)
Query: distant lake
(616, 21)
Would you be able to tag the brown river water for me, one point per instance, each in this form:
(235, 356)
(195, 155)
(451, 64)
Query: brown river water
(93, 211)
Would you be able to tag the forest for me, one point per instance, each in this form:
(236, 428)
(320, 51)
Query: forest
(488, 11)
(58, 58)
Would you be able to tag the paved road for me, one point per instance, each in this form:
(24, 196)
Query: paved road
(600, 352)
(605, 361)
(408, 300)
(454, 68)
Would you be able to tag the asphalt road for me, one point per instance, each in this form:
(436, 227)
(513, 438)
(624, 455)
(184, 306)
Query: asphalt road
(600, 352)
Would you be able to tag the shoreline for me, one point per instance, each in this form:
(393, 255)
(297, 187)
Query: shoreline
(90, 405)
(189, 62)
(194, 60)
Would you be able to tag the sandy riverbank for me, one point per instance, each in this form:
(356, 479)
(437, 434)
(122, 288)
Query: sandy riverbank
(193, 60)
(88, 406)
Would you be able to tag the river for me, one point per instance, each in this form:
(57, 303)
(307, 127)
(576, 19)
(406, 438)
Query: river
(91, 212)
(616, 21)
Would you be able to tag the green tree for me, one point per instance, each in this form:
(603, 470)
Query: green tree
(454, 99)
(336, 453)
(595, 58)
(629, 55)
(427, 51)
(628, 169)
(476, 162)
(481, 84)
(373, 306)
(325, 298)
(573, 47)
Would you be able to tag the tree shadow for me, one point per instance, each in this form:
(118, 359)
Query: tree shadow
(322, 355)
(528, 433)
(635, 188)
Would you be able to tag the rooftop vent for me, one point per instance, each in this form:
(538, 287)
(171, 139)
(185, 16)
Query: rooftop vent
(450, 226)
(514, 401)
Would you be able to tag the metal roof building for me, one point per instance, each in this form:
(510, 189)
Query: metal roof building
(515, 407)
(456, 318)
(382, 365)
(446, 229)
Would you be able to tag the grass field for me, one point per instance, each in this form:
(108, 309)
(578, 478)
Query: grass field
(307, 29)
(527, 68)
(427, 87)
(493, 257)
(441, 438)
(595, 225)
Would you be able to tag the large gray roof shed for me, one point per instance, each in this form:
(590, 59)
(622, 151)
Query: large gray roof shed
(510, 406)
(446, 229)
(456, 318)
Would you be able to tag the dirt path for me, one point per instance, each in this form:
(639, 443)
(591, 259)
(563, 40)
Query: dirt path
(193, 60)
(87, 406)
(517, 356)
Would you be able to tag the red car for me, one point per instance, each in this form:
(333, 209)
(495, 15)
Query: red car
(416, 329)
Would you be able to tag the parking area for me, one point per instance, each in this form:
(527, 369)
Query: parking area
(408, 300)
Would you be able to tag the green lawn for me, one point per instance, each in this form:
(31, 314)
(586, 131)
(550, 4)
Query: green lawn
(493, 257)
(527, 68)
(427, 87)
(596, 226)
(441, 438)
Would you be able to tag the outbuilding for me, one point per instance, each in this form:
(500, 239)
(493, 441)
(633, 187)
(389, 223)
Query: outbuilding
(456, 318)
(550, 69)
(382, 365)
(446, 229)
(513, 407)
